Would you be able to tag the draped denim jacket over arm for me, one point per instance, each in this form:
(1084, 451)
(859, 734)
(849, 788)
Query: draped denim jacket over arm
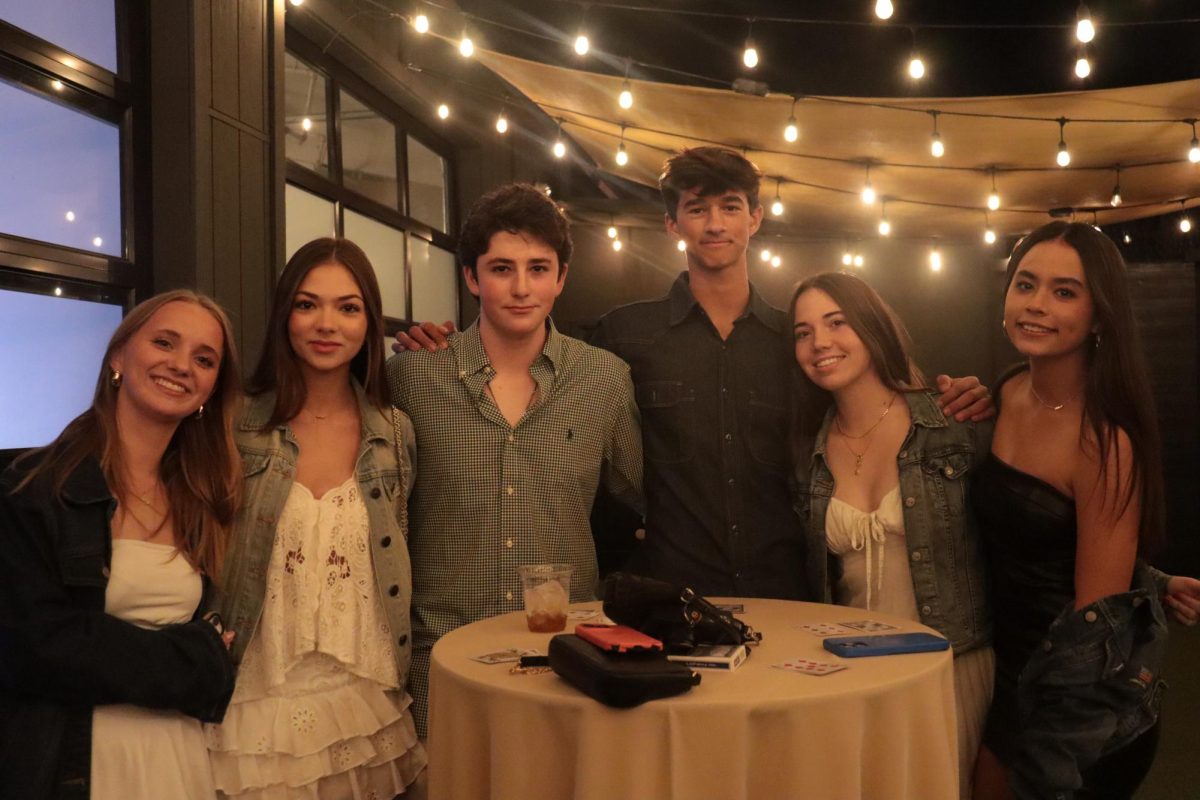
(269, 465)
(944, 548)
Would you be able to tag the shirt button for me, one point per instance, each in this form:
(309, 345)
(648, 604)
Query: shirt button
(462, 373)
(949, 471)
(105, 572)
(733, 529)
(395, 590)
(916, 556)
(508, 595)
(508, 543)
(909, 502)
(403, 640)
(386, 541)
(729, 437)
(508, 490)
(1090, 616)
(375, 493)
(512, 438)
(926, 610)
(731, 481)
(1047, 646)
(639, 534)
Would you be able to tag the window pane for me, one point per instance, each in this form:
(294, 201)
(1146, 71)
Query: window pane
(62, 173)
(88, 29)
(426, 185)
(368, 152)
(384, 245)
(304, 121)
(308, 217)
(434, 282)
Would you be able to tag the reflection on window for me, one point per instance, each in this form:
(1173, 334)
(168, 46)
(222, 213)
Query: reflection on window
(384, 245)
(426, 185)
(434, 282)
(87, 29)
(61, 172)
(368, 152)
(305, 124)
(308, 217)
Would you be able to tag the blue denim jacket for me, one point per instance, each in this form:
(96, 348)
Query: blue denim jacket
(944, 548)
(1093, 687)
(269, 466)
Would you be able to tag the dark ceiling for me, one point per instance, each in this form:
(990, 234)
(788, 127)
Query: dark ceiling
(857, 60)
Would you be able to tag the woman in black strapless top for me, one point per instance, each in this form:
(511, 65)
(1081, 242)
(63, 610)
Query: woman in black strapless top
(1069, 497)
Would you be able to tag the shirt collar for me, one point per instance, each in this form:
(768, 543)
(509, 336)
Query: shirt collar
(472, 358)
(683, 301)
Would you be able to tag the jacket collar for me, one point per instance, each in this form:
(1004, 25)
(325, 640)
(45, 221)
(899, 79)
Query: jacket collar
(86, 484)
(922, 409)
(472, 358)
(683, 301)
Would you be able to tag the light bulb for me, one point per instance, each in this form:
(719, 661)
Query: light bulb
(1185, 225)
(1064, 157)
(1085, 31)
(1128, 239)
(70, 216)
(868, 195)
(501, 124)
(858, 260)
(617, 245)
(847, 259)
(296, 2)
(421, 23)
(97, 242)
(765, 255)
(989, 236)
(776, 261)
(681, 246)
(885, 227)
(935, 260)
(612, 231)
(1194, 151)
(306, 124)
(750, 55)
(582, 45)
(549, 191)
(57, 85)
(993, 201)
(466, 47)
(560, 149)
(777, 207)
(443, 111)
(58, 291)
(936, 147)
(1115, 200)
(625, 99)
(791, 133)
(622, 155)
(916, 68)
(1083, 68)
(883, 9)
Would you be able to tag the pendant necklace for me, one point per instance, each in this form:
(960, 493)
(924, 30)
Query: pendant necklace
(858, 457)
(1044, 404)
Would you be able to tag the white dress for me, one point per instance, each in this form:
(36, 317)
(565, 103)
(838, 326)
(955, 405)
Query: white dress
(143, 753)
(876, 577)
(317, 711)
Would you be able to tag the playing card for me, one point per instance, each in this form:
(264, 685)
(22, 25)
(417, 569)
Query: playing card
(578, 614)
(504, 656)
(807, 666)
(869, 625)
(824, 629)
(732, 608)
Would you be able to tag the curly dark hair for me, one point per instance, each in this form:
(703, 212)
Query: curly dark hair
(515, 208)
(708, 170)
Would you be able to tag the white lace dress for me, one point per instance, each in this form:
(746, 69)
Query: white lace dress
(876, 577)
(317, 712)
(148, 753)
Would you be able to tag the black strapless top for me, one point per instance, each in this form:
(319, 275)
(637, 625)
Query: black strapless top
(1029, 532)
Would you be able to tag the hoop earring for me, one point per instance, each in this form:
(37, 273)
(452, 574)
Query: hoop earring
(200, 412)
(114, 380)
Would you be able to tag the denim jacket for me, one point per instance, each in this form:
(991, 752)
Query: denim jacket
(1093, 687)
(269, 465)
(944, 548)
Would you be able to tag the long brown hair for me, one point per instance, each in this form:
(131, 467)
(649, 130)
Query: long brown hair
(200, 469)
(1116, 388)
(278, 369)
(881, 331)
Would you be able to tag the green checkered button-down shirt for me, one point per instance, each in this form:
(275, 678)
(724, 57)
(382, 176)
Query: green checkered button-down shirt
(491, 496)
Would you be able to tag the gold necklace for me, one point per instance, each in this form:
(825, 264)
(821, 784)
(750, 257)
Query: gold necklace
(858, 457)
(1044, 404)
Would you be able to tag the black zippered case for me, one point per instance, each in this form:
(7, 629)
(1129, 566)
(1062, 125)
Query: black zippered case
(620, 680)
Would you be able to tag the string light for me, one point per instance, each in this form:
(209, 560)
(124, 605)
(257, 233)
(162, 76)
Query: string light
(1194, 149)
(681, 246)
(622, 157)
(501, 123)
(625, 99)
(935, 259)
(868, 192)
(612, 229)
(885, 227)
(97, 242)
(443, 111)
(847, 258)
(1185, 222)
(765, 255)
(582, 45)
(306, 124)
(750, 53)
(989, 235)
(935, 143)
(916, 67)
(559, 148)
(1083, 67)
(883, 9)
(858, 260)
(993, 198)
(296, 2)
(777, 206)
(791, 132)
(1096, 222)
(1085, 31)
(1128, 239)
(57, 85)
(466, 47)
(70, 216)
(617, 245)
(1064, 156)
(58, 291)
(776, 261)
(420, 23)
(1116, 192)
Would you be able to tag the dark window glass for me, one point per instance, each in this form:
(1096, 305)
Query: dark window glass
(61, 170)
(368, 152)
(87, 28)
(426, 185)
(304, 117)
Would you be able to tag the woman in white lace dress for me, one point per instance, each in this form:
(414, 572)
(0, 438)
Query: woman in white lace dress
(318, 578)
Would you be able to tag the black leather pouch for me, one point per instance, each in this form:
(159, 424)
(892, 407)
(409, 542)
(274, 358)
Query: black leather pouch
(621, 680)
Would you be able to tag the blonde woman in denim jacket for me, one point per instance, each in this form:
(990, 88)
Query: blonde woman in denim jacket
(882, 477)
(318, 582)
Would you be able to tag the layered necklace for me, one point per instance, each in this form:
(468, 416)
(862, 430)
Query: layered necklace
(1044, 404)
(858, 457)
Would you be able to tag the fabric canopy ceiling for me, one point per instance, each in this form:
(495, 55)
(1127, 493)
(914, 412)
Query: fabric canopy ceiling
(823, 172)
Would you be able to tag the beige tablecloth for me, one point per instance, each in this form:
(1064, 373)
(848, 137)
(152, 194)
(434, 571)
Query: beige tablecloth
(883, 729)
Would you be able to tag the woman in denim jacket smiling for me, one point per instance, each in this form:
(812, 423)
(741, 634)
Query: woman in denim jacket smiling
(1068, 499)
(882, 480)
(318, 580)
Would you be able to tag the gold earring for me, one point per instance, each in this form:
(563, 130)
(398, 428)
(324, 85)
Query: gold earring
(114, 380)
(200, 412)
(1003, 325)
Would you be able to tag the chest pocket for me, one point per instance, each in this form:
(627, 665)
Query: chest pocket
(668, 419)
(254, 463)
(949, 474)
